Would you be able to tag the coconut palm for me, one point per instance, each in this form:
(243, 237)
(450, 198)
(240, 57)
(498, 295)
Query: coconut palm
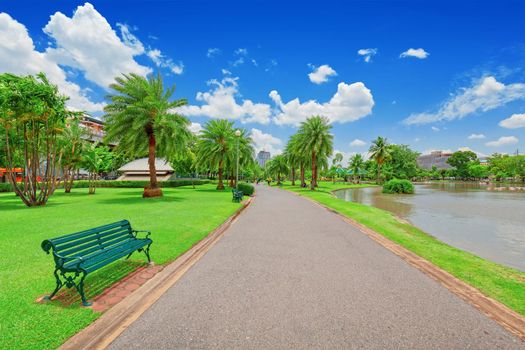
(356, 164)
(141, 118)
(215, 145)
(297, 156)
(336, 163)
(278, 166)
(380, 152)
(317, 141)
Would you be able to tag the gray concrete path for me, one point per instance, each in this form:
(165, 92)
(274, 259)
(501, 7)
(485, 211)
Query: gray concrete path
(291, 275)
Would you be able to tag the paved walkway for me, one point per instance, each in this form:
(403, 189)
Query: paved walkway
(291, 275)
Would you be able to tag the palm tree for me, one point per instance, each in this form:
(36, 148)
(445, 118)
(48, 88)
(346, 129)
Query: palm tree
(72, 145)
(297, 156)
(216, 145)
(142, 120)
(278, 166)
(356, 164)
(246, 154)
(317, 141)
(336, 163)
(380, 152)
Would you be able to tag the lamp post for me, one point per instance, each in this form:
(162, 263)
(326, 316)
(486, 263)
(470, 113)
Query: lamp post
(237, 136)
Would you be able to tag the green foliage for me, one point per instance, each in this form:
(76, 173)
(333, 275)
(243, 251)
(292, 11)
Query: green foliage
(356, 165)
(278, 167)
(380, 152)
(477, 171)
(398, 186)
(401, 163)
(246, 188)
(6, 187)
(504, 166)
(460, 160)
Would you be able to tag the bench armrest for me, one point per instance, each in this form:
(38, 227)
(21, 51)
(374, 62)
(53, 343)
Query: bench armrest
(148, 233)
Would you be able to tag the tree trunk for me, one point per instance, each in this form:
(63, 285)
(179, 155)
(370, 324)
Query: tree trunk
(303, 184)
(220, 185)
(313, 183)
(152, 190)
(293, 176)
(378, 173)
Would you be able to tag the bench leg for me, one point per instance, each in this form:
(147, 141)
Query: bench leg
(146, 251)
(80, 289)
(57, 288)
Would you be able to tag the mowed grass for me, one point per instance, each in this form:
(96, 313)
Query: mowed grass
(177, 221)
(499, 282)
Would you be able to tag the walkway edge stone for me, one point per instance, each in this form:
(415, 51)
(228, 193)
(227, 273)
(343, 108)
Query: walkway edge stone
(495, 310)
(113, 322)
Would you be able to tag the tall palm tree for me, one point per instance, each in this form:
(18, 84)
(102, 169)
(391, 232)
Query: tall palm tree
(380, 152)
(141, 118)
(356, 164)
(215, 146)
(297, 156)
(317, 141)
(278, 166)
(246, 154)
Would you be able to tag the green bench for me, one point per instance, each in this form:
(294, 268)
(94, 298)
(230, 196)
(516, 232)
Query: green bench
(78, 254)
(237, 195)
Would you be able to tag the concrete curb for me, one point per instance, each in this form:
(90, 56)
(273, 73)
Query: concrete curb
(500, 313)
(112, 323)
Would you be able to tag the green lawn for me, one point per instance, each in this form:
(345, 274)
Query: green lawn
(499, 282)
(177, 221)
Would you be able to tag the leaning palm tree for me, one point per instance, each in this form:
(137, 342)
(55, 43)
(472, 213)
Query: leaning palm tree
(356, 165)
(278, 166)
(317, 141)
(141, 118)
(215, 146)
(380, 152)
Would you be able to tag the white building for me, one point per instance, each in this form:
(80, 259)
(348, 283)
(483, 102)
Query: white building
(138, 170)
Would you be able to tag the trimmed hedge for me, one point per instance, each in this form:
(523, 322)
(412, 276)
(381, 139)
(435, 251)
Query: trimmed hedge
(5, 187)
(246, 188)
(398, 186)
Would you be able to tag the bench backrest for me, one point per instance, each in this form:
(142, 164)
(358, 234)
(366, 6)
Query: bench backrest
(88, 241)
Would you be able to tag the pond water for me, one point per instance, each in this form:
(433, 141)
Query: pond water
(486, 220)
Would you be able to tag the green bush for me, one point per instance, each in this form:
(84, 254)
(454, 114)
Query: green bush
(5, 187)
(246, 188)
(398, 186)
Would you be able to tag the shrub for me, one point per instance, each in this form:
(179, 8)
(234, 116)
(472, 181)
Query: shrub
(246, 188)
(6, 187)
(398, 186)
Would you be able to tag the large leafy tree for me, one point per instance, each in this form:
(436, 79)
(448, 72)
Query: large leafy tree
(460, 160)
(141, 117)
(215, 145)
(72, 145)
(96, 159)
(380, 152)
(278, 167)
(316, 139)
(32, 118)
(401, 163)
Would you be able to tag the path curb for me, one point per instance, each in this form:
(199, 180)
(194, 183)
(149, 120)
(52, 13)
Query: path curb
(495, 310)
(113, 322)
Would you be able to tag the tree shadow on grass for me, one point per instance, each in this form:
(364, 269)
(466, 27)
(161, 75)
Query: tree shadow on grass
(127, 200)
(96, 283)
(15, 203)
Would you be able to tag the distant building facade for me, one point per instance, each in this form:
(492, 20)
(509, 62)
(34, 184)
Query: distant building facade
(435, 158)
(138, 170)
(263, 157)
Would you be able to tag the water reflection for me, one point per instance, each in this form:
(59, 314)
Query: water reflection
(486, 220)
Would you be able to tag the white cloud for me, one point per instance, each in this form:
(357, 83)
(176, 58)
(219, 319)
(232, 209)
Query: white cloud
(435, 128)
(18, 56)
(220, 102)
(87, 42)
(486, 94)
(241, 52)
(195, 127)
(357, 143)
(266, 142)
(515, 121)
(418, 53)
(321, 74)
(212, 52)
(479, 154)
(503, 141)
(350, 103)
(162, 61)
(367, 54)
(476, 137)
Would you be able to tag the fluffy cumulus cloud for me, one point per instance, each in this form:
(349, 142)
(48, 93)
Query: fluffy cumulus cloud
(350, 103)
(321, 74)
(266, 142)
(221, 102)
(19, 56)
(162, 61)
(417, 53)
(357, 143)
(484, 95)
(87, 42)
(195, 127)
(503, 141)
(367, 54)
(515, 121)
(476, 136)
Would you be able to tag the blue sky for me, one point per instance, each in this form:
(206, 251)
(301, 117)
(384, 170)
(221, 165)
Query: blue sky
(438, 75)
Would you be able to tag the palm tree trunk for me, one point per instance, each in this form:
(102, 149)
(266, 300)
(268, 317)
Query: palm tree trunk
(378, 173)
(293, 176)
(303, 184)
(220, 185)
(153, 189)
(313, 184)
